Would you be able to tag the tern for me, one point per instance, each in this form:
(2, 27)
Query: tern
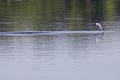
(100, 26)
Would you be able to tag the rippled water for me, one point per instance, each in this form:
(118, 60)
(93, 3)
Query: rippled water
(60, 57)
(57, 40)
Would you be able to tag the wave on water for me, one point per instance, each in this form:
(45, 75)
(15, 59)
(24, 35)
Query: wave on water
(49, 32)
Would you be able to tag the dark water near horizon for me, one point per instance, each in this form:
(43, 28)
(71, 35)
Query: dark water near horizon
(57, 41)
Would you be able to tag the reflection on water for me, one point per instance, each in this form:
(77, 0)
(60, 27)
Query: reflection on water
(63, 56)
(52, 15)
(60, 50)
(65, 42)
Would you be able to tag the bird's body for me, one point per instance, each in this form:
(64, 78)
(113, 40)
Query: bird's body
(95, 26)
(100, 26)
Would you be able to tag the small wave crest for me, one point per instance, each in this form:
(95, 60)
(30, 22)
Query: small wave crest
(49, 32)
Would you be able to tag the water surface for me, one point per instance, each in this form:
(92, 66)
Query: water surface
(53, 40)
(61, 56)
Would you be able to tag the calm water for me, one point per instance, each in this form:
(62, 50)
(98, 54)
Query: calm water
(60, 57)
(67, 52)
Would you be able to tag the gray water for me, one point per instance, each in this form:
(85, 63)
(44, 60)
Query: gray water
(57, 40)
(75, 56)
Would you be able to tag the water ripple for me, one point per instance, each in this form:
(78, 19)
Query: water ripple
(49, 32)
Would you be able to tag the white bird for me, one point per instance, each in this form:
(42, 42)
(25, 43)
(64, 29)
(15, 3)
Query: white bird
(100, 26)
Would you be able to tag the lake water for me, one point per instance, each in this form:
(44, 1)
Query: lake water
(60, 57)
(64, 48)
